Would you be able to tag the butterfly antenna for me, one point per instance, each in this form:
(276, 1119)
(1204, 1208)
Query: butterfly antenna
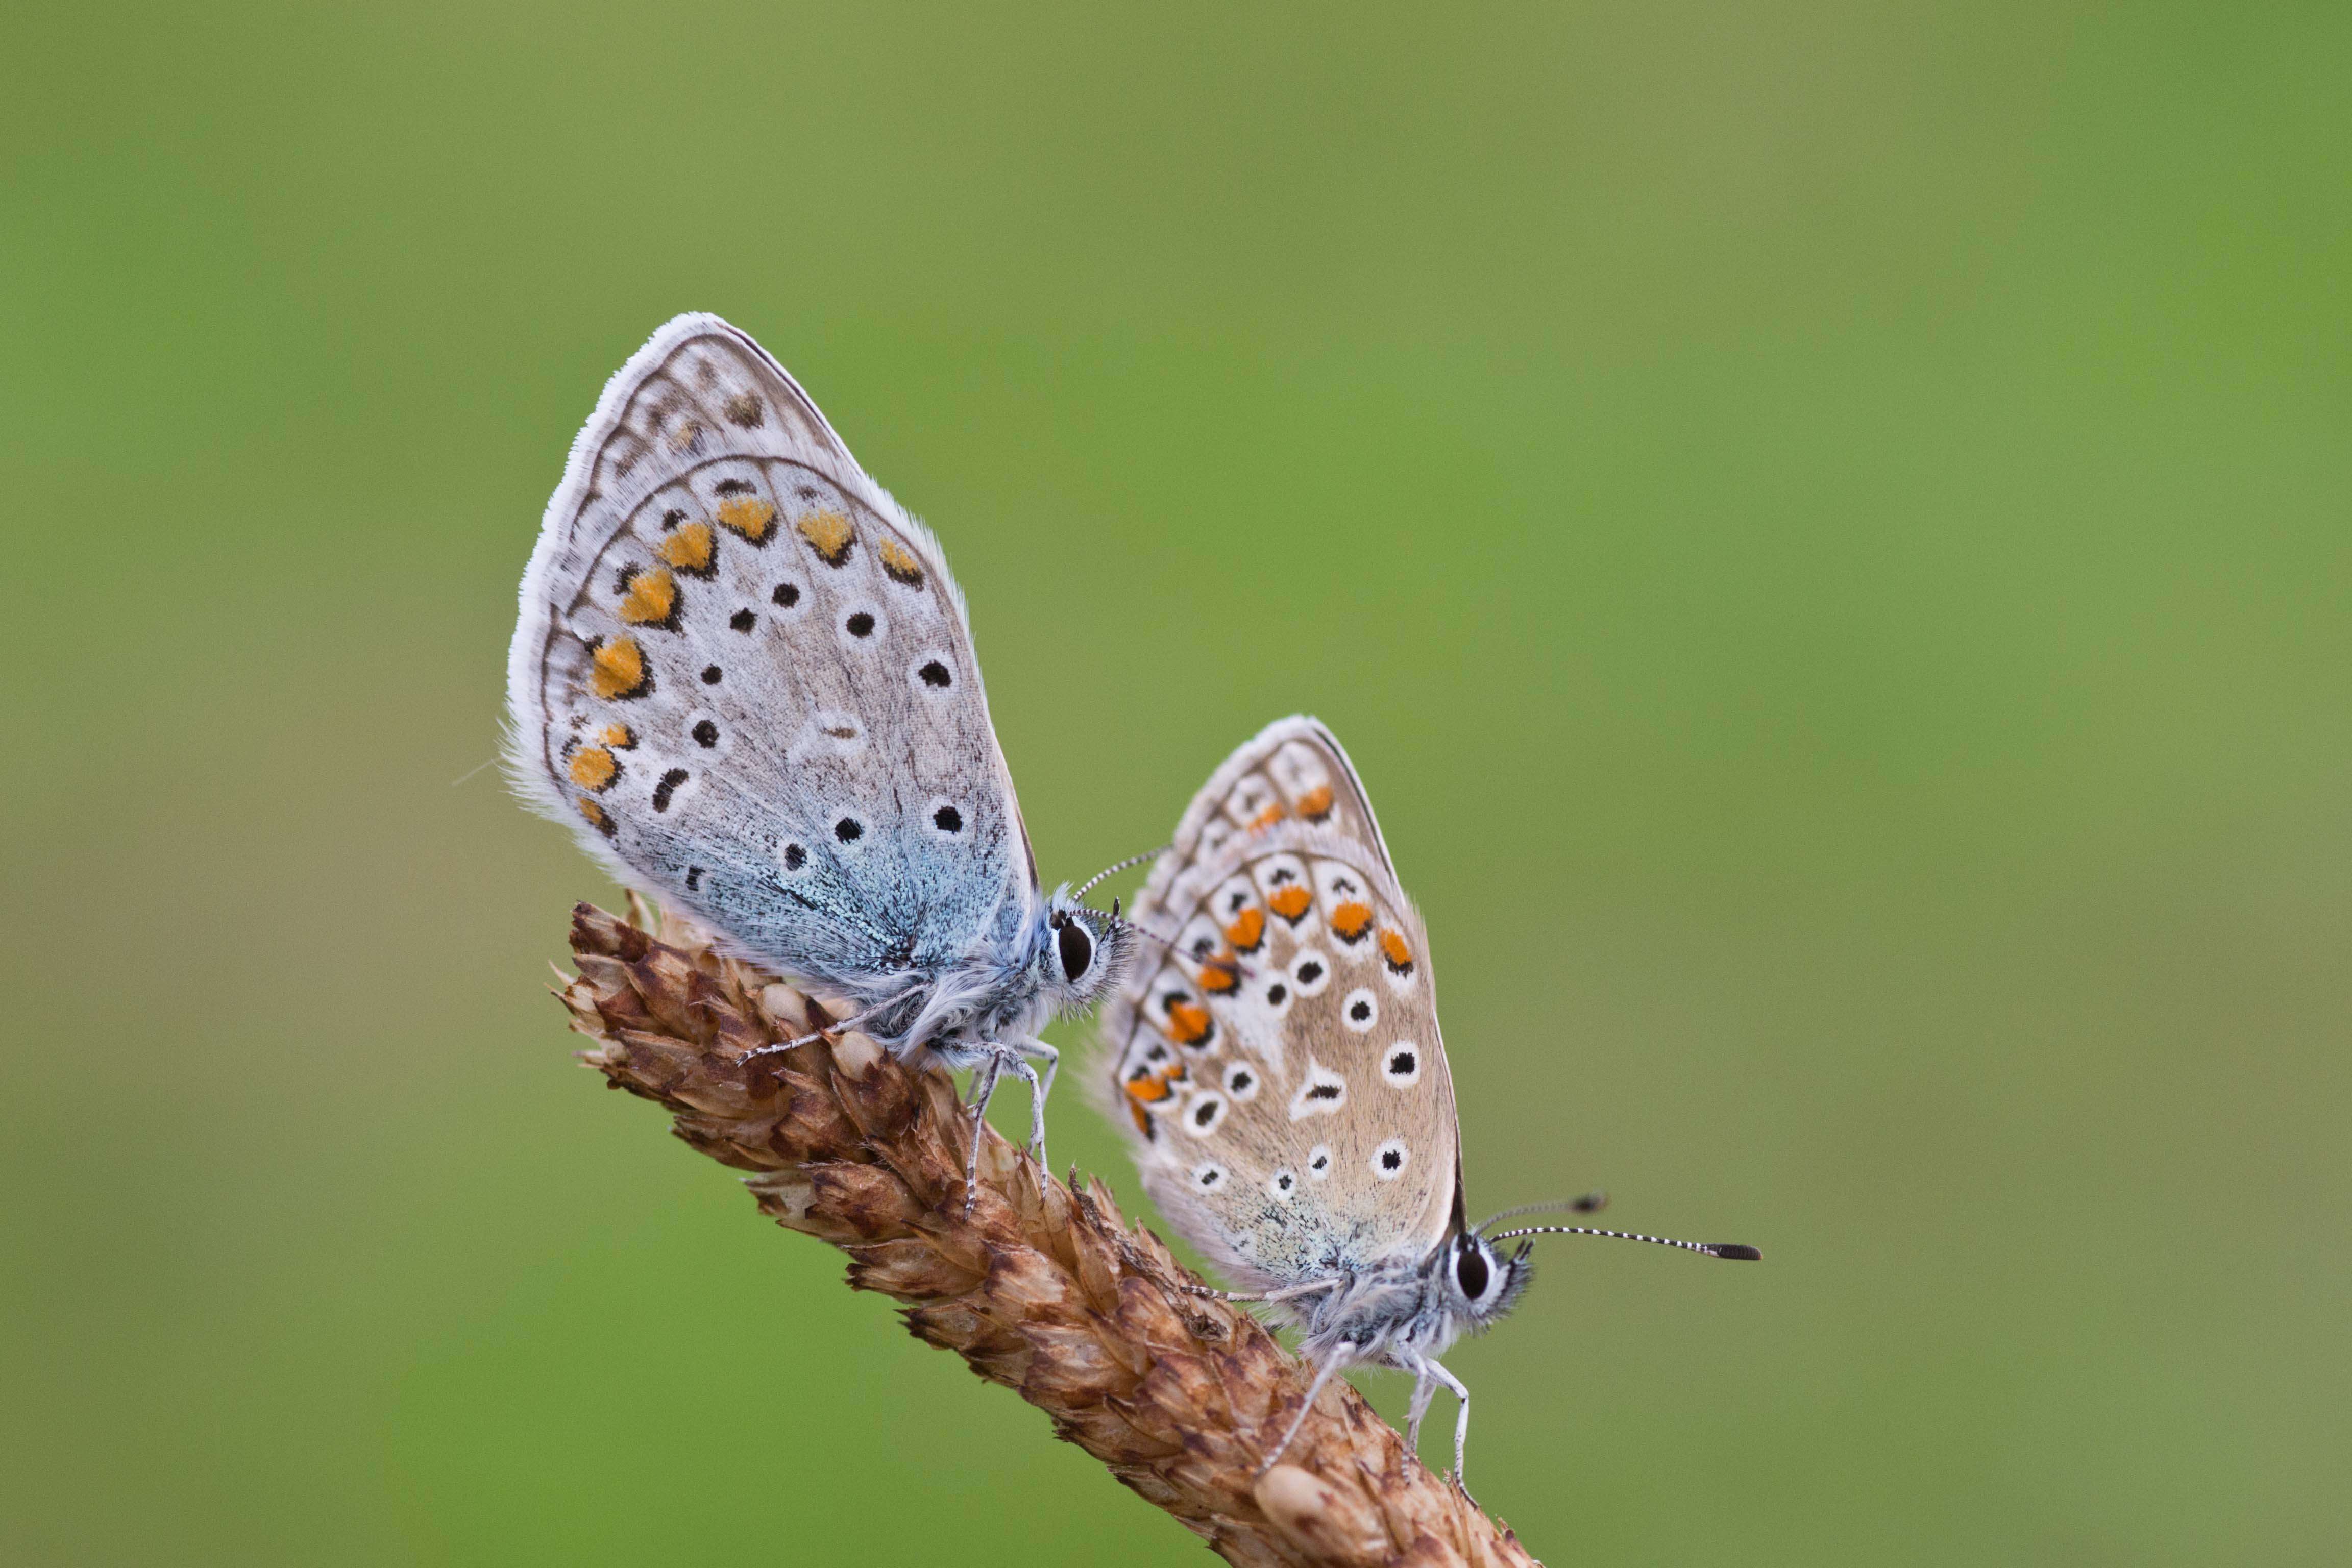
(1591, 1203)
(1241, 971)
(1182, 954)
(1113, 871)
(1731, 1250)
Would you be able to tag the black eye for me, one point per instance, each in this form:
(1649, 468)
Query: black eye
(1077, 949)
(1470, 1270)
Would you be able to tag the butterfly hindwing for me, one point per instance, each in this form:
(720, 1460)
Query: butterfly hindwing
(1281, 1073)
(745, 677)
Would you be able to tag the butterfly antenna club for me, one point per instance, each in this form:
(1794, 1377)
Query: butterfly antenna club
(1730, 1249)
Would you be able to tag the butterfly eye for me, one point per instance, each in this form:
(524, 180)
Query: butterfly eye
(1077, 949)
(1471, 1272)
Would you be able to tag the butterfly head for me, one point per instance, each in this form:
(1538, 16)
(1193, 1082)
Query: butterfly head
(1478, 1281)
(1084, 954)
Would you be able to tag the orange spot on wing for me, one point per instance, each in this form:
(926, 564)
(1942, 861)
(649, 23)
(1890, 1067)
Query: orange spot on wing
(1269, 817)
(1291, 902)
(1142, 1120)
(1316, 803)
(828, 533)
(899, 563)
(1188, 1023)
(595, 816)
(1247, 931)
(1394, 952)
(617, 669)
(651, 598)
(618, 735)
(1147, 1089)
(748, 515)
(1220, 974)
(592, 767)
(1351, 921)
(1174, 1072)
(688, 549)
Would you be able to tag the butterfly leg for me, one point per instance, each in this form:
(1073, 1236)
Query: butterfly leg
(1323, 1375)
(1014, 1059)
(835, 1027)
(1424, 1388)
(1287, 1293)
(1039, 1091)
(983, 1089)
(1461, 1419)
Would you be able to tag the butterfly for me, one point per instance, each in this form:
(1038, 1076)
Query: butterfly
(744, 678)
(1286, 1086)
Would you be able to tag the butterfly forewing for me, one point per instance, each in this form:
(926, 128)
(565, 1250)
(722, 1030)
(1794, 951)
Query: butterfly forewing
(743, 673)
(1281, 1072)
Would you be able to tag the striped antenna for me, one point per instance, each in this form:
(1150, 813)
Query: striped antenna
(1080, 895)
(1591, 1203)
(1241, 971)
(1182, 954)
(1731, 1250)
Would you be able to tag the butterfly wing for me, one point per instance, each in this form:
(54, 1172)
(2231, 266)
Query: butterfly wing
(745, 679)
(1281, 1073)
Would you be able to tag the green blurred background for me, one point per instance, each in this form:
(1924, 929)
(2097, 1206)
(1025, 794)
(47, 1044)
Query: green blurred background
(1823, 525)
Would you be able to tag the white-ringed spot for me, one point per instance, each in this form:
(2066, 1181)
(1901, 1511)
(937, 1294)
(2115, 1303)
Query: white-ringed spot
(1204, 1115)
(1310, 972)
(1389, 1160)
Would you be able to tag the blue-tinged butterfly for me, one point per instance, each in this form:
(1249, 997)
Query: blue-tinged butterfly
(744, 678)
(1286, 1085)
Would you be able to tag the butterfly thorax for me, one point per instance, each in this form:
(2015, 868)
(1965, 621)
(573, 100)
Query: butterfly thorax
(1056, 960)
(1405, 1309)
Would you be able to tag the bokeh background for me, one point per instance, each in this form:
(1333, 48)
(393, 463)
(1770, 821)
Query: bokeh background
(1823, 525)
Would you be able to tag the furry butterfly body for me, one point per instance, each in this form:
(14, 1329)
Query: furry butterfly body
(745, 679)
(1284, 1081)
